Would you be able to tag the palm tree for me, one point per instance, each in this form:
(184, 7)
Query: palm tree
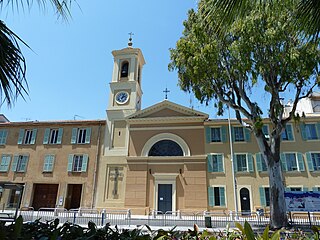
(13, 81)
(308, 13)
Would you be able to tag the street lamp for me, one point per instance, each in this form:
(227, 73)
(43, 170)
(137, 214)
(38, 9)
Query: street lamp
(232, 167)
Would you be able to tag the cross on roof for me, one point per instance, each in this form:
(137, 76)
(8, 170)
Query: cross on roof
(130, 38)
(166, 91)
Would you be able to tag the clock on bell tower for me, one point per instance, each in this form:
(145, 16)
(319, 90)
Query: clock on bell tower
(124, 98)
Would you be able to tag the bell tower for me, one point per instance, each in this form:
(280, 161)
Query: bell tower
(124, 98)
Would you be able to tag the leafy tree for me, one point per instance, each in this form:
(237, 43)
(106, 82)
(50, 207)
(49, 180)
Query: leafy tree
(259, 54)
(308, 13)
(12, 62)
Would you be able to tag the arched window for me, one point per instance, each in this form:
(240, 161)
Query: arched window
(166, 148)
(124, 69)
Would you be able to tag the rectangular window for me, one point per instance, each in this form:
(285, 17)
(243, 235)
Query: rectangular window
(81, 135)
(5, 162)
(243, 162)
(14, 197)
(310, 131)
(27, 136)
(316, 189)
(238, 134)
(292, 162)
(295, 189)
(48, 163)
(264, 196)
(20, 163)
(77, 163)
(53, 136)
(287, 134)
(215, 163)
(216, 196)
(215, 135)
(3, 136)
(313, 159)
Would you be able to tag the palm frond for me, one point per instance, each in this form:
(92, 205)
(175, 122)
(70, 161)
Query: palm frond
(309, 16)
(12, 66)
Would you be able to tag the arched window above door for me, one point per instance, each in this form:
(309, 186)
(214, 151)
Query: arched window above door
(166, 148)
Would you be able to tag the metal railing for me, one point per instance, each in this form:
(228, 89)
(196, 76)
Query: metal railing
(204, 219)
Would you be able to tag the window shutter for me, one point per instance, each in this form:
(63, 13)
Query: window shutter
(21, 134)
(305, 189)
(3, 138)
(34, 135)
(309, 161)
(59, 139)
(5, 163)
(220, 163)
(318, 129)
(224, 134)
(235, 164)
(287, 189)
(283, 162)
(211, 196)
(222, 196)
(232, 134)
(258, 162)
(289, 132)
(210, 163)
(265, 130)
(88, 135)
(48, 163)
(262, 196)
(46, 136)
(208, 134)
(303, 131)
(23, 164)
(315, 189)
(250, 162)
(74, 135)
(247, 134)
(84, 163)
(15, 163)
(70, 162)
(300, 162)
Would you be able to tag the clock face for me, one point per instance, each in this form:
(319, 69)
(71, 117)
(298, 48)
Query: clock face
(122, 97)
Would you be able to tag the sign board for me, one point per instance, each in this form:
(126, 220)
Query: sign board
(302, 201)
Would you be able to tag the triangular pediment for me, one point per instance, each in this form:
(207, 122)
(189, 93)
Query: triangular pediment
(167, 109)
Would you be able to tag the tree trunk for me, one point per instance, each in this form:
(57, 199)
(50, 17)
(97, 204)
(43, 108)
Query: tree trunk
(278, 210)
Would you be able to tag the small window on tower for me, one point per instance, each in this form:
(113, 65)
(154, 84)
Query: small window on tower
(124, 69)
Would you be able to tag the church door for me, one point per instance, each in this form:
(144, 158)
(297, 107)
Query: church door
(245, 201)
(164, 197)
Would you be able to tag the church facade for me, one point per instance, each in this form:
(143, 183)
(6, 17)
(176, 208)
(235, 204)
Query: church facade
(163, 158)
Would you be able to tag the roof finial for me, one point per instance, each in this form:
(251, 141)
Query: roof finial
(166, 91)
(130, 39)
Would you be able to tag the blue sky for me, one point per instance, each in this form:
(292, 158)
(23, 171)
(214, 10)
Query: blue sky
(70, 65)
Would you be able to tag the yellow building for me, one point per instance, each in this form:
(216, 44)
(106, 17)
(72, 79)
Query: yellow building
(166, 157)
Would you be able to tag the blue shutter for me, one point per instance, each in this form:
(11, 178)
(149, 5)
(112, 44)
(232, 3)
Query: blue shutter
(5, 163)
(232, 134)
(258, 162)
(88, 135)
(300, 162)
(318, 130)
(224, 134)
(211, 196)
(303, 131)
(250, 162)
(84, 163)
(59, 139)
(74, 135)
(210, 163)
(247, 134)
(262, 196)
(220, 163)
(46, 136)
(305, 189)
(289, 132)
(265, 131)
(23, 164)
(309, 161)
(34, 135)
(315, 189)
(235, 164)
(3, 138)
(15, 163)
(283, 162)
(208, 134)
(222, 196)
(21, 134)
(70, 162)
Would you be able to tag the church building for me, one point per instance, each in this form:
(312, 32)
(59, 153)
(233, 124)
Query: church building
(163, 158)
